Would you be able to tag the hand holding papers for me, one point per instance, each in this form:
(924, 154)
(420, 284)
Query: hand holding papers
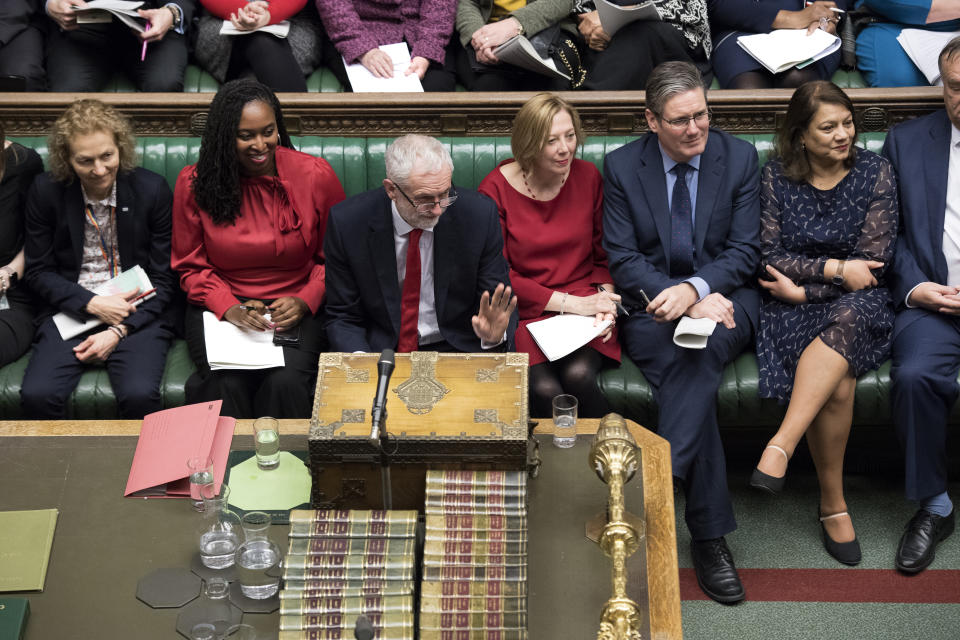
(519, 52)
(103, 11)
(613, 17)
(168, 439)
(361, 80)
(782, 49)
(280, 30)
(561, 335)
(134, 279)
(230, 347)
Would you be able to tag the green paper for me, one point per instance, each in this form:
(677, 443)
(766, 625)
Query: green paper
(283, 488)
(25, 541)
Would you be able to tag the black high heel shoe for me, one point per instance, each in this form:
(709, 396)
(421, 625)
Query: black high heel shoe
(766, 482)
(845, 552)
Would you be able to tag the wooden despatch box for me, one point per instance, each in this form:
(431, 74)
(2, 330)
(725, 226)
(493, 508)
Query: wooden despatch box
(444, 410)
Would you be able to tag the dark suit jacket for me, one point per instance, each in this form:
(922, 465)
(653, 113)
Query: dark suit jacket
(636, 219)
(16, 15)
(920, 153)
(53, 249)
(363, 292)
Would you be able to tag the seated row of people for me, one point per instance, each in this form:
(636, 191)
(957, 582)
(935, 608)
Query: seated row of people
(450, 41)
(682, 215)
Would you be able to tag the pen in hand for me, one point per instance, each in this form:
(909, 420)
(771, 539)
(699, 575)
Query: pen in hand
(621, 310)
(143, 49)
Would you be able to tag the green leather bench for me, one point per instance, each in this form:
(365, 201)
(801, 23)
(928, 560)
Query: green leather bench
(359, 164)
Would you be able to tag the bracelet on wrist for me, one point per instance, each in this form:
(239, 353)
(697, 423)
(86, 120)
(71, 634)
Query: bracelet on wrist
(563, 302)
(118, 330)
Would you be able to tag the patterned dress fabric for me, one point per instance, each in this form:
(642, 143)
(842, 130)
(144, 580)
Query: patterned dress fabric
(803, 227)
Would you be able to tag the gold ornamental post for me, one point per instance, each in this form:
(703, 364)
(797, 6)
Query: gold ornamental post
(613, 455)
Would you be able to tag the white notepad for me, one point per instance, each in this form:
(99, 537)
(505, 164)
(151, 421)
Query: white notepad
(561, 335)
(362, 81)
(230, 347)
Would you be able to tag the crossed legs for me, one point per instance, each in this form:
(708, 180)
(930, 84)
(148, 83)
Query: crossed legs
(821, 407)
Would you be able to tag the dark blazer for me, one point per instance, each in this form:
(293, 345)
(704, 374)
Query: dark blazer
(636, 220)
(920, 153)
(16, 15)
(363, 292)
(53, 249)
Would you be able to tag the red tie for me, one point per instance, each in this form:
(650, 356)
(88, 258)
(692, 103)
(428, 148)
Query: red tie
(410, 300)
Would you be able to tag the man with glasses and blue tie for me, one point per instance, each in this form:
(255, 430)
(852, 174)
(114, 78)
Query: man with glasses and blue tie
(681, 225)
(417, 265)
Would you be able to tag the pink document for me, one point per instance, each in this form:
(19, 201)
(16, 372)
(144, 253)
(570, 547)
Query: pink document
(171, 437)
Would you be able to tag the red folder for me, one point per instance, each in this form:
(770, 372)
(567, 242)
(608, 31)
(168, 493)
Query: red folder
(171, 437)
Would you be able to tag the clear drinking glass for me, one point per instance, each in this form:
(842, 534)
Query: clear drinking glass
(201, 473)
(219, 530)
(241, 632)
(564, 420)
(216, 608)
(256, 557)
(266, 442)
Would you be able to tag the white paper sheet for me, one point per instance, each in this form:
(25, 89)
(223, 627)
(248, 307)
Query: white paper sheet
(362, 81)
(693, 333)
(924, 49)
(230, 347)
(561, 335)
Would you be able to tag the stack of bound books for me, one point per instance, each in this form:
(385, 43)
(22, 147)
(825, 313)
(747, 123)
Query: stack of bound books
(344, 564)
(475, 556)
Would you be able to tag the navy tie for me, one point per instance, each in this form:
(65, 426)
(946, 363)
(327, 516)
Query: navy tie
(681, 224)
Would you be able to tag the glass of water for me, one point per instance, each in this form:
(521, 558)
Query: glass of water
(266, 441)
(201, 474)
(564, 420)
(219, 530)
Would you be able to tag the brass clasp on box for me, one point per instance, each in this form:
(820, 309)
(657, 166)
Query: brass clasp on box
(613, 455)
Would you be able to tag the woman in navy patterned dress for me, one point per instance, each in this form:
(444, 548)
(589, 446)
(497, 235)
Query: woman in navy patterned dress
(829, 223)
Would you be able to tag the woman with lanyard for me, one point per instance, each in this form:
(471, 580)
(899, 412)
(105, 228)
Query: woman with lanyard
(91, 217)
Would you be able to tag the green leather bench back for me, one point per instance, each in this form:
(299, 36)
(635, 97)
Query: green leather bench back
(358, 162)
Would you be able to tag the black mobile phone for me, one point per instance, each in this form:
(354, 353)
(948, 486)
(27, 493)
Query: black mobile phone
(287, 338)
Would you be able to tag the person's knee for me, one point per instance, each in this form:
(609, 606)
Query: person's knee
(41, 399)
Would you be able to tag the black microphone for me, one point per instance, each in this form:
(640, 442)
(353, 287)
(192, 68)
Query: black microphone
(364, 628)
(379, 412)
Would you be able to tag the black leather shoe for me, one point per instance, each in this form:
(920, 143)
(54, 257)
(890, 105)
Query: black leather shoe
(716, 573)
(918, 544)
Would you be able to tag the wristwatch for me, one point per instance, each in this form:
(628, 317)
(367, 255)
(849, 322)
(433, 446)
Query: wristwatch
(520, 29)
(838, 276)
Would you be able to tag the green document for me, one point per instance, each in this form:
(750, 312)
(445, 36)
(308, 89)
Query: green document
(13, 617)
(25, 540)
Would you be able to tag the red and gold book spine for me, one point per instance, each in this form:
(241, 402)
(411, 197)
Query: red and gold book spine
(328, 523)
(475, 547)
(473, 634)
(472, 589)
(347, 606)
(474, 560)
(293, 589)
(476, 522)
(398, 633)
(458, 620)
(487, 604)
(401, 572)
(392, 620)
(464, 572)
(352, 546)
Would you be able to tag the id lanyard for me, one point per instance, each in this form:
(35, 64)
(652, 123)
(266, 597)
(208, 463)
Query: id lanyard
(109, 253)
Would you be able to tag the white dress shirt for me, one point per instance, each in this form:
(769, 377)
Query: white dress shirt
(951, 214)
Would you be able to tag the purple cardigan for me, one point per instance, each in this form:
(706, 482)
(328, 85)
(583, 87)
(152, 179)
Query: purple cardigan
(357, 26)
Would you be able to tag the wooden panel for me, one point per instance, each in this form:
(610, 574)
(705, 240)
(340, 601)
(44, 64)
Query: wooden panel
(456, 114)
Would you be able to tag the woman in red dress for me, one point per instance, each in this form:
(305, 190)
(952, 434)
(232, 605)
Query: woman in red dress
(551, 207)
(248, 223)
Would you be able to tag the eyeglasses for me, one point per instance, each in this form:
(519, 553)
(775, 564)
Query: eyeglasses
(427, 207)
(702, 117)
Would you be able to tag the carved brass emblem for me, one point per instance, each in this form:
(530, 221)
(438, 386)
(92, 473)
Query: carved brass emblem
(422, 391)
(357, 375)
(353, 416)
(488, 375)
(485, 415)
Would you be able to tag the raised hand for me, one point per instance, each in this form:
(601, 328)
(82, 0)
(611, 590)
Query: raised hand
(494, 313)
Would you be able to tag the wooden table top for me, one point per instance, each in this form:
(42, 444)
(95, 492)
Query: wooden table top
(662, 574)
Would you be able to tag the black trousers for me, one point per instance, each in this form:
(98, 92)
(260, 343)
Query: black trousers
(23, 56)
(283, 392)
(135, 369)
(269, 58)
(632, 54)
(84, 59)
(16, 334)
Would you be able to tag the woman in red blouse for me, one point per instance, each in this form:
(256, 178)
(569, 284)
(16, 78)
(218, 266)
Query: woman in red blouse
(551, 207)
(248, 223)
